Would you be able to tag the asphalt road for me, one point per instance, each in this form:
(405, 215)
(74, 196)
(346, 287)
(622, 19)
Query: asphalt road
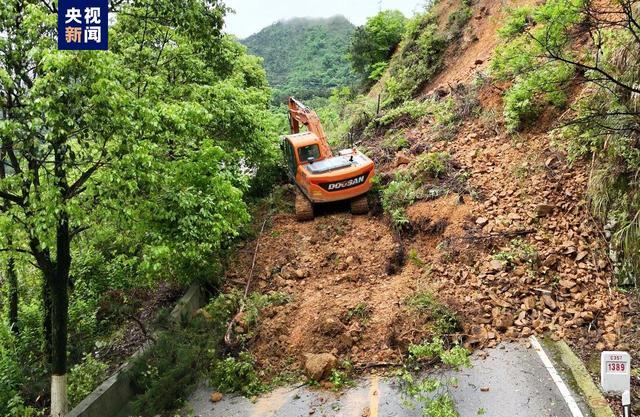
(511, 381)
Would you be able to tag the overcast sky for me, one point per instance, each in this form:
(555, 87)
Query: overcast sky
(252, 15)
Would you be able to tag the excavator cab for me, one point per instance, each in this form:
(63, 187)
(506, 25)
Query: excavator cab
(320, 176)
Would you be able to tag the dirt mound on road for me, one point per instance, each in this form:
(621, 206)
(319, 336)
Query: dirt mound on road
(343, 299)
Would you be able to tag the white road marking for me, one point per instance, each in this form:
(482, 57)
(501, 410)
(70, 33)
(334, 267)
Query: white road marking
(566, 394)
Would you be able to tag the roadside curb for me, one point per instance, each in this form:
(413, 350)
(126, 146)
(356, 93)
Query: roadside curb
(593, 396)
(110, 397)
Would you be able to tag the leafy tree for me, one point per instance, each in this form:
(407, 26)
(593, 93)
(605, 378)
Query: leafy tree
(373, 43)
(152, 142)
(63, 114)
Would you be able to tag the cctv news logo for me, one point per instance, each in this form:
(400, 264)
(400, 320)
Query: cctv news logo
(83, 25)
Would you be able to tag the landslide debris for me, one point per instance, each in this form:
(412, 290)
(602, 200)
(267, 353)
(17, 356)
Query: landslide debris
(509, 248)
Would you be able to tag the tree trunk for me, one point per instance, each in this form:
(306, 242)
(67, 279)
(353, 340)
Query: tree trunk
(13, 295)
(46, 316)
(59, 319)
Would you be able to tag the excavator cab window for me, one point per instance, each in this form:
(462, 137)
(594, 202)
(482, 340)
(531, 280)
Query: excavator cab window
(309, 151)
(290, 157)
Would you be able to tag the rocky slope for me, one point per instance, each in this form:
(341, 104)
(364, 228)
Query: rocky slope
(515, 253)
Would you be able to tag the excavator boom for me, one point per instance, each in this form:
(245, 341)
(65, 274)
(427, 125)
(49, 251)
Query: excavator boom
(299, 113)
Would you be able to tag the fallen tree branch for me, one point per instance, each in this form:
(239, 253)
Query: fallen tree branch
(142, 327)
(227, 335)
(367, 365)
(507, 234)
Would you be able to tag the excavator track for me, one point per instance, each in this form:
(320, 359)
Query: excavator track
(360, 205)
(304, 208)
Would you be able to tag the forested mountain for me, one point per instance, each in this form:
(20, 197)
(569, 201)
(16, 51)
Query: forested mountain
(305, 57)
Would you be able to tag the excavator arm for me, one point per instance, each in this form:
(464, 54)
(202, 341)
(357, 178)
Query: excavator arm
(299, 113)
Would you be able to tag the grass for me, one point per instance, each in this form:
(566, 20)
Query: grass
(361, 312)
(445, 320)
(415, 259)
(518, 252)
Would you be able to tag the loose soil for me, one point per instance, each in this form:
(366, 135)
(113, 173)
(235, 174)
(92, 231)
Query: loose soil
(350, 277)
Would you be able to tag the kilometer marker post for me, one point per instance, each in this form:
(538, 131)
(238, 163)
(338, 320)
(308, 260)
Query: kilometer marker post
(615, 376)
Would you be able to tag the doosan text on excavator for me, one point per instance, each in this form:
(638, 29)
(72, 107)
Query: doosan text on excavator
(319, 175)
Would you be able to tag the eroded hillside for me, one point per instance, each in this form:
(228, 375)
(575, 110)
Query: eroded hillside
(496, 242)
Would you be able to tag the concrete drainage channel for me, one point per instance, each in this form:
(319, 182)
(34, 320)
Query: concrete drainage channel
(112, 396)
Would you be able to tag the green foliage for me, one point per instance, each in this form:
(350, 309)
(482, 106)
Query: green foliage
(340, 380)
(396, 197)
(373, 43)
(344, 113)
(441, 406)
(362, 312)
(84, 377)
(537, 82)
(444, 320)
(305, 57)
(431, 165)
(11, 376)
(407, 113)
(518, 252)
(518, 20)
(415, 258)
(377, 70)
(149, 149)
(431, 393)
(444, 115)
(395, 141)
(420, 54)
(528, 96)
(418, 59)
(165, 374)
(236, 375)
(605, 131)
(407, 185)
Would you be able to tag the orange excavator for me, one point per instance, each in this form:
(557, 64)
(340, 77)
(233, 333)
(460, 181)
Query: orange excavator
(319, 175)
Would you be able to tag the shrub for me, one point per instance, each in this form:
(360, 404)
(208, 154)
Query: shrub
(409, 111)
(530, 93)
(430, 165)
(396, 197)
(236, 375)
(537, 81)
(84, 378)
